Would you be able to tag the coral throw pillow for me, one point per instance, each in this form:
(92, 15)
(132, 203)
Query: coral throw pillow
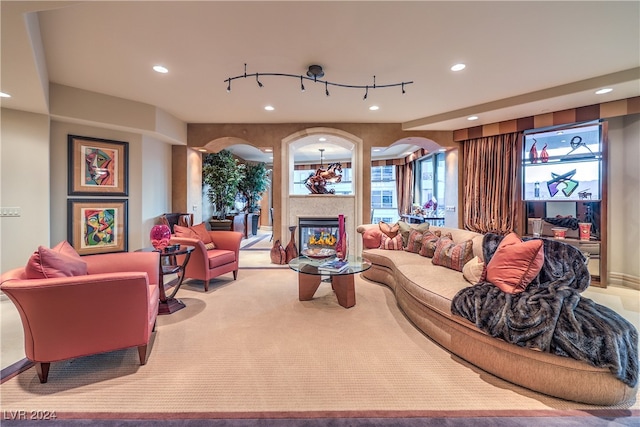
(472, 271)
(429, 241)
(60, 261)
(185, 232)
(515, 263)
(452, 255)
(202, 232)
(389, 230)
(371, 238)
(391, 243)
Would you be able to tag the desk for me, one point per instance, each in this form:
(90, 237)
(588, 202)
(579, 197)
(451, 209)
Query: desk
(436, 221)
(342, 282)
(169, 265)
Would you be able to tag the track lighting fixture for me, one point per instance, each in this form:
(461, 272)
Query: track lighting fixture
(315, 73)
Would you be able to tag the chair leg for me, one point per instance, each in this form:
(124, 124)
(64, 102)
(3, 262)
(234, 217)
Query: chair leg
(43, 371)
(142, 353)
(235, 274)
(206, 285)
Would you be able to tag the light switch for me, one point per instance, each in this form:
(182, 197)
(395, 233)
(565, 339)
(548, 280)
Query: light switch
(10, 211)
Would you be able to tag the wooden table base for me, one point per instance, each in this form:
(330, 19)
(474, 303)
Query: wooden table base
(343, 286)
(170, 306)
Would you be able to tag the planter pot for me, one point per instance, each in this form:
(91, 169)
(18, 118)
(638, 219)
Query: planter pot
(255, 221)
(220, 224)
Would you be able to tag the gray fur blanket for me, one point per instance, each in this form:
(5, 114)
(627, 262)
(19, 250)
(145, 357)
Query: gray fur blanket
(551, 315)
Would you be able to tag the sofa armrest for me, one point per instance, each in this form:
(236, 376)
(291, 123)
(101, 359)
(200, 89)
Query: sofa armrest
(362, 228)
(147, 262)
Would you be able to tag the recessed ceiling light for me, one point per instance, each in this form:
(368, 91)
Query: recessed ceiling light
(160, 69)
(376, 149)
(323, 139)
(472, 118)
(603, 91)
(458, 67)
(4, 95)
(268, 150)
(202, 150)
(442, 150)
(374, 108)
(269, 108)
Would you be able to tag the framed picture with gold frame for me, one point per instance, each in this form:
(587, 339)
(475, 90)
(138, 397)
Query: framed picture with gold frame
(97, 226)
(97, 167)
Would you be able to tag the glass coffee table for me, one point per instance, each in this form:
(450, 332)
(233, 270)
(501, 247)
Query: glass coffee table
(342, 282)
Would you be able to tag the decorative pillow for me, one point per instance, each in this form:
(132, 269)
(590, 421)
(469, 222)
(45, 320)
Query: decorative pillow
(60, 261)
(389, 230)
(405, 230)
(515, 263)
(210, 246)
(429, 240)
(452, 255)
(391, 243)
(371, 238)
(185, 232)
(472, 271)
(414, 243)
(202, 232)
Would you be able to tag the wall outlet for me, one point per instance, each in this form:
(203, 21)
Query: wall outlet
(9, 211)
(450, 208)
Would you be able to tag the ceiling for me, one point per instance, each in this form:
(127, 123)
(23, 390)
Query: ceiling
(523, 58)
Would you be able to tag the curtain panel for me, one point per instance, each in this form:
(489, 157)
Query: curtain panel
(404, 187)
(490, 182)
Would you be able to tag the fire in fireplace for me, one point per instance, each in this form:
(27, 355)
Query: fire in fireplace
(317, 233)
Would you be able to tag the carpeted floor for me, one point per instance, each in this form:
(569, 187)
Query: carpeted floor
(248, 352)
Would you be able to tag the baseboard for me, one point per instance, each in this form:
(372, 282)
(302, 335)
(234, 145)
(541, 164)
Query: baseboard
(626, 280)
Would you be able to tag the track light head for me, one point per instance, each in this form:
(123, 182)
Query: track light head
(301, 84)
(259, 84)
(229, 86)
(366, 93)
(326, 88)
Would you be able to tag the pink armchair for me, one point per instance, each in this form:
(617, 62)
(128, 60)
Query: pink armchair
(206, 264)
(113, 307)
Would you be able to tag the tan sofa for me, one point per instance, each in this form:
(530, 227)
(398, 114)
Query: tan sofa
(424, 293)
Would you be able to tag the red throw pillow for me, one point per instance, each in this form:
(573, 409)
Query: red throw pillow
(452, 255)
(389, 230)
(391, 243)
(429, 240)
(371, 238)
(60, 261)
(414, 241)
(515, 263)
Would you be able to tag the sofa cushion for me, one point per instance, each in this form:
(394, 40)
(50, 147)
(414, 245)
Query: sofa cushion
(515, 263)
(218, 257)
(472, 271)
(388, 229)
(452, 255)
(60, 261)
(391, 243)
(429, 242)
(371, 237)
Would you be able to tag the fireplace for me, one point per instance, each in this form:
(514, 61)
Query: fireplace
(317, 233)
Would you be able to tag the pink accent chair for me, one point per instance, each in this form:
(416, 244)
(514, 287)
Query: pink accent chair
(113, 307)
(206, 264)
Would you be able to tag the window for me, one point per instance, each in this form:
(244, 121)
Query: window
(384, 201)
(431, 182)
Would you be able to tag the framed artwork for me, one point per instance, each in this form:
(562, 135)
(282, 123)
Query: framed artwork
(97, 167)
(97, 226)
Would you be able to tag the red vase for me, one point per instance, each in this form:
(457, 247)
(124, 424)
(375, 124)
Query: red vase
(342, 244)
(159, 236)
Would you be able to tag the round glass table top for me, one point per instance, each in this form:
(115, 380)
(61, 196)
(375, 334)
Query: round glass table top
(319, 267)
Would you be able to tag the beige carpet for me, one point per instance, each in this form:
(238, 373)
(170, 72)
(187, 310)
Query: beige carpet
(251, 346)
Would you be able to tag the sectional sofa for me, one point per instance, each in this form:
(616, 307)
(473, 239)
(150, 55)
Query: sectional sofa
(424, 292)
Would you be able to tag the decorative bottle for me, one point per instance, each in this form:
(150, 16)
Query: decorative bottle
(291, 250)
(342, 245)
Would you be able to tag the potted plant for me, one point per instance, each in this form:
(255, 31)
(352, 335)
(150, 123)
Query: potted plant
(222, 173)
(251, 186)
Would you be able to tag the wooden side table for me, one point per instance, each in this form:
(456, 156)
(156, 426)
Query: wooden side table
(169, 265)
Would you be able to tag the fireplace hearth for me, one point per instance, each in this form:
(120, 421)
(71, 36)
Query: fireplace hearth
(317, 233)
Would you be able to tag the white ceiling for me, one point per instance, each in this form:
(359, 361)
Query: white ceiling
(523, 58)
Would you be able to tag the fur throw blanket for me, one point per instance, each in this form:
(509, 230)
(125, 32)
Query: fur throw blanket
(551, 315)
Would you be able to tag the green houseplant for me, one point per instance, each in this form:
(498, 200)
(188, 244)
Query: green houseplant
(222, 173)
(254, 183)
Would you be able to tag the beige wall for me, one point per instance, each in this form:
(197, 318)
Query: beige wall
(24, 183)
(624, 200)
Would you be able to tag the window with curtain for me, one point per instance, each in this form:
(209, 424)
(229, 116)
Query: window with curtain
(384, 201)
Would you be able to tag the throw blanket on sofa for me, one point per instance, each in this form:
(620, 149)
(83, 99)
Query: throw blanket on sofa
(550, 315)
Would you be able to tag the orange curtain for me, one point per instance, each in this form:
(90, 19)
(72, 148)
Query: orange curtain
(404, 187)
(490, 182)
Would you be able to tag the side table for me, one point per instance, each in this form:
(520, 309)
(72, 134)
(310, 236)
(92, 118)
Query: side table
(169, 265)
